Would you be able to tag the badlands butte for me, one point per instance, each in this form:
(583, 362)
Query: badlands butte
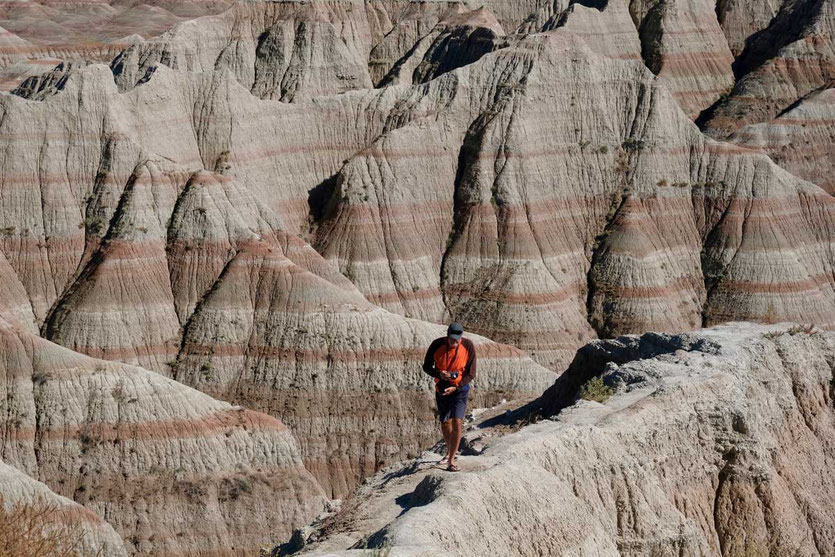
(229, 230)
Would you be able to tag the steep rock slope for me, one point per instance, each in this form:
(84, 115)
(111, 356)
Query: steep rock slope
(40, 34)
(527, 220)
(494, 194)
(85, 531)
(801, 139)
(152, 256)
(172, 470)
(483, 238)
(410, 22)
(92, 23)
(278, 50)
(714, 443)
(684, 45)
(680, 41)
(457, 40)
(743, 19)
(791, 58)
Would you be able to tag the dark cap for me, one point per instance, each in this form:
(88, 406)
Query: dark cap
(454, 331)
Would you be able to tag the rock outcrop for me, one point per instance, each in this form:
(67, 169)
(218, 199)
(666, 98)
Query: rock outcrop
(501, 233)
(37, 35)
(233, 205)
(172, 470)
(714, 443)
(683, 44)
(457, 40)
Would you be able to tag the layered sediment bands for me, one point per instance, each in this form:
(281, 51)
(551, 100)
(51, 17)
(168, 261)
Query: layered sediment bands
(780, 65)
(714, 443)
(12, 48)
(684, 45)
(748, 238)
(14, 304)
(173, 471)
(457, 41)
(480, 195)
(37, 35)
(278, 50)
(640, 274)
(797, 285)
(801, 139)
(606, 29)
(62, 189)
(90, 24)
(742, 19)
(121, 307)
(82, 529)
(679, 41)
(489, 120)
(388, 230)
(343, 375)
(409, 25)
(216, 218)
(526, 225)
(150, 246)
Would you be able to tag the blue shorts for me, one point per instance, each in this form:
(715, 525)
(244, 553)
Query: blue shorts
(452, 406)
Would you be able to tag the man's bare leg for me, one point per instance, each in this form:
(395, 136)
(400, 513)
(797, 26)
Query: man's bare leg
(454, 439)
(446, 429)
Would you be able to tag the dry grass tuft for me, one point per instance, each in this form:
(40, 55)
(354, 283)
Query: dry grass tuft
(38, 529)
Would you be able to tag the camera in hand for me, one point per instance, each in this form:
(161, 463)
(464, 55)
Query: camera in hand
(453, 375)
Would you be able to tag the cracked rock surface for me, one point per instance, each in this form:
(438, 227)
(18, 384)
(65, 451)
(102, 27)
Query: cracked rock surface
(714, 443)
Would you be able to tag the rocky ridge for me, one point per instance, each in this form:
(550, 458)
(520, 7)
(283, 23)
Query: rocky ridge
(714, 443)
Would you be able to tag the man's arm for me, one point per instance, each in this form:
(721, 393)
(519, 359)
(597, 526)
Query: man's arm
(470, 368)
(429, 359)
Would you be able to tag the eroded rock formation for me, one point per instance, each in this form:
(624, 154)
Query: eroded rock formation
(787, 60)
(801, 139)
(281, 203)
(79, 528)
(714, 443)
(172, 470)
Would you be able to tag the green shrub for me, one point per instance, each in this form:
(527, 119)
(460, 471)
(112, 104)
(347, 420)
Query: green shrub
(594, 389)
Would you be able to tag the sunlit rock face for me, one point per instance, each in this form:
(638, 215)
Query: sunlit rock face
(709, 443)
(281, 204)
(171, 470)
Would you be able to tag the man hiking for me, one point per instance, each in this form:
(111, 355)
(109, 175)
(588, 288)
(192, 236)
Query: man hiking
(451, 361)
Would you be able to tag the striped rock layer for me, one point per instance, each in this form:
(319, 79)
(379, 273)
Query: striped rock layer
(232, 205)
(35, 36)
(780, 65)
(173, 471)
(78, 527)
(501, 234)
(801, 139)
(524, 250)
(713, 443)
